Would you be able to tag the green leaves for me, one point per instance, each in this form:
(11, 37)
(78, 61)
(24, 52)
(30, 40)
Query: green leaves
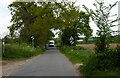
(39, 18)
(67, 33)
(101, 18)
(82, 25)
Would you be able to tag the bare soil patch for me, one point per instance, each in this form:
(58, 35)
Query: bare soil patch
(8, 66)
(76, 66)
(88, 46)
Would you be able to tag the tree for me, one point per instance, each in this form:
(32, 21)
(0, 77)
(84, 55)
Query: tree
(39, 18)
(82, 25)
(67, 33)
(101, 18)
(31, 19)
(79, 27)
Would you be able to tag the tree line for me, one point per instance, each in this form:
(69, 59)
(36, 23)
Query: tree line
(38, 18)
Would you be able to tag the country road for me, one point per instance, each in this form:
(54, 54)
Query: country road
(51, 63)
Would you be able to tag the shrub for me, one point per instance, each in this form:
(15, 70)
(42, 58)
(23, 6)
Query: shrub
(118, 56)
(102, 62)
(89, 66)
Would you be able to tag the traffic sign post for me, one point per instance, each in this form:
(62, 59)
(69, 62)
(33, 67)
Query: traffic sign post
(3, 46)
(71, 41)
(32, 37)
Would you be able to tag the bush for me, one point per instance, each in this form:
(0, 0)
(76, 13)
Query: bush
(118, 55)
(89, 66)
(102, 62)
(22, 51)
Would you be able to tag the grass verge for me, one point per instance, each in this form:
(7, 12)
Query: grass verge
(91, 64)
(76, 54)
(20, 52)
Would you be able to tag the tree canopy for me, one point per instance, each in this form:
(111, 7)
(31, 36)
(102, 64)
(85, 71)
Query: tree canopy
(101, 18)
(38, 18)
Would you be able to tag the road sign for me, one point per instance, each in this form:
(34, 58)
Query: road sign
(3, 46)
(32, 37)
(71, 38)
(71, 42)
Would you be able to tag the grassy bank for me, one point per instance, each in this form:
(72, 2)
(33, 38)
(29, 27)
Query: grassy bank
(92, 66)
(20, 51)
(76, 54)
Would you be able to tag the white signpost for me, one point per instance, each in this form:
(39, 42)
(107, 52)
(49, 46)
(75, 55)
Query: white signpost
(3, 44)
(71, 41)
(32, 37)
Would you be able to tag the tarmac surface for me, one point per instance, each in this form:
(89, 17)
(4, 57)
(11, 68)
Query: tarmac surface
(51, 63)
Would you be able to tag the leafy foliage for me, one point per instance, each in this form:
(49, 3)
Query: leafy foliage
(93, 65)
(105, 63)
(105, 58)
(31, 19)
(39, 18)
(67, 33)
(101, 18)
(80, 27)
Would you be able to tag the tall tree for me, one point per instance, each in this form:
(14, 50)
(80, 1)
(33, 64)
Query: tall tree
(82, 25)
(37, 19)
(79, 27)
(101, 18)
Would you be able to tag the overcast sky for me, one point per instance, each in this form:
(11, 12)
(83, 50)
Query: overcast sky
(5, 15)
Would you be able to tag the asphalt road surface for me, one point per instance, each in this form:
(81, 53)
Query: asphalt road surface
(51, 63)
